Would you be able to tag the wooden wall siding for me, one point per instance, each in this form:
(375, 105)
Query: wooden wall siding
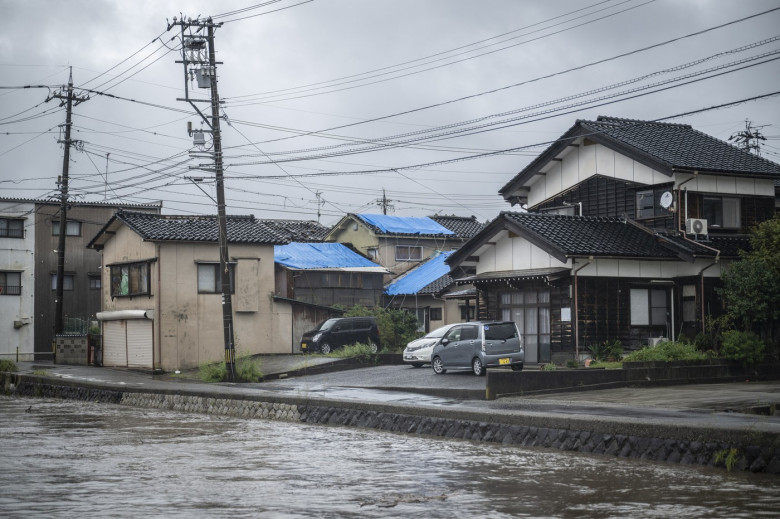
(600, 196)
(305, 318)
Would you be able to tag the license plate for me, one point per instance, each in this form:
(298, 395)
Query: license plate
(503, 361)
(303, 346)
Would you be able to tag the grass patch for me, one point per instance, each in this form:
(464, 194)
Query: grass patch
(247, 370)
(41, 372)
(7, 365)
(549, 367)
(359, 351)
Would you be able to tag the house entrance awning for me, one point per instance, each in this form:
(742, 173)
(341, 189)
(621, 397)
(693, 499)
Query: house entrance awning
(547, 274)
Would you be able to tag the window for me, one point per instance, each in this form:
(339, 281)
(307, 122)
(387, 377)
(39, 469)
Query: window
(408, 253)
(721, 212)
(67, 281)
(11, 228)
(130, 279)
(648, 307)
(72, 228)
(648, 204)
(372, 253)
(210, 280)
(467, 313)
(94, 282)
(435, 314)
(10, 283)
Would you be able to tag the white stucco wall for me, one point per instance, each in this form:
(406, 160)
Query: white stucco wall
(17, 255)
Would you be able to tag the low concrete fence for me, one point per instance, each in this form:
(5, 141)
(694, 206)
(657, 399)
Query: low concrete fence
(506, 383)
(742, 450)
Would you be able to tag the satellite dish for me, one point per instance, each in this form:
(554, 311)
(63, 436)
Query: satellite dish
(666, 200)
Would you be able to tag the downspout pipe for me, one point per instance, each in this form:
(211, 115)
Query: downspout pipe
(681, 230)
(576, 310)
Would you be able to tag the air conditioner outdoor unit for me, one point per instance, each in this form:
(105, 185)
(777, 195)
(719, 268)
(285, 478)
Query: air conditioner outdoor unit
(696, 226)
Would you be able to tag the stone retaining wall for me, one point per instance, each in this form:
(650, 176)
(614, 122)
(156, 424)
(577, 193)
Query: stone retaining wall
(759, 454)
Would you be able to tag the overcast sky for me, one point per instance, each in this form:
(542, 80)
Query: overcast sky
(364, 96)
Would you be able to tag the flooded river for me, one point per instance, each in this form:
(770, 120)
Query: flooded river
(74, 459)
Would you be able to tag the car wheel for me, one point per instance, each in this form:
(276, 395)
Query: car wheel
(416, 365)
(372, 345)
(438, 366)
(325, 348)
(517, 367)
(477, 367)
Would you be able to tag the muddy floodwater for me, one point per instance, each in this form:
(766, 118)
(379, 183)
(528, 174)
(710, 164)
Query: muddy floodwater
(74, 459)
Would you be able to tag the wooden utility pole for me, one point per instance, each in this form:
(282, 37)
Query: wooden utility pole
(198, 57)
(67, 99)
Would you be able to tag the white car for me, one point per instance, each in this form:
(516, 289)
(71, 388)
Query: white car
(418, 352)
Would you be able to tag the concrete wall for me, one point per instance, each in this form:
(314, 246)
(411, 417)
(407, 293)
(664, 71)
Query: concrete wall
(17, 311)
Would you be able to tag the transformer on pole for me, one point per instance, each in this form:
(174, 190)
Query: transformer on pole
(198, 57)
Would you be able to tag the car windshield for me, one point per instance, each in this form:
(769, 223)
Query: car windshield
(327, 325)
(438, 332)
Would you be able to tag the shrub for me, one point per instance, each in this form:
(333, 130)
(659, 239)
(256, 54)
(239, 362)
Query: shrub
(213, 372)
(7, 365)
(397, 327)
(571, 363)
(744, 347)
(549, 367)
(667, 351)
(605, 350)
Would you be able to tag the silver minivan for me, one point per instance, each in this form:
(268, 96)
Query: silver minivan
(478, 346)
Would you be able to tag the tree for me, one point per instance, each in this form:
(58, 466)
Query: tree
(751, 286)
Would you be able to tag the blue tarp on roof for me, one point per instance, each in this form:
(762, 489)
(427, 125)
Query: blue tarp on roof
(405, 224)
(420, 277)
(319, 256)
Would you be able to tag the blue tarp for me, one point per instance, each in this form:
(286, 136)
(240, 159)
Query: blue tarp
(405, 224)
(319, 256)
(420, 277)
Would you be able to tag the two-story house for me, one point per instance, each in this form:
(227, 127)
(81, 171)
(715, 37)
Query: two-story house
(627, 225)
(162, 288)
(399, 243)
(29, 238)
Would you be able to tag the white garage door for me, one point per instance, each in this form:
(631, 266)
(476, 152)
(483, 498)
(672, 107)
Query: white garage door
(114, 343)
(139, 343)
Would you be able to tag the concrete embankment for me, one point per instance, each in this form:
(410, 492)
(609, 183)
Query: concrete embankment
(711, 444)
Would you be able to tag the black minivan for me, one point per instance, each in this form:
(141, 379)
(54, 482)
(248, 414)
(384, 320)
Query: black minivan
(341, 331)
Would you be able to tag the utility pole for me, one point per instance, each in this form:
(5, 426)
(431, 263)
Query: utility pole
(318, 194)
(198, 57)
(384, 202)
(750, 138)
(67, 99)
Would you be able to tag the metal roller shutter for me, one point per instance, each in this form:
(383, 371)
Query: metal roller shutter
(139, 343)
(114, 343)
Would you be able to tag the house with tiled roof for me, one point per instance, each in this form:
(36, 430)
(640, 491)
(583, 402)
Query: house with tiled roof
(161, 296)
(315, 277)
(623, 229)
(29, 240)
(400, 243)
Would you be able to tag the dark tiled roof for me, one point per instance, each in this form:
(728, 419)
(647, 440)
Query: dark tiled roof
(240, 229)
(680, 146)
(591, 236)
(663, 146)
(299, 230)
(463, 227)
